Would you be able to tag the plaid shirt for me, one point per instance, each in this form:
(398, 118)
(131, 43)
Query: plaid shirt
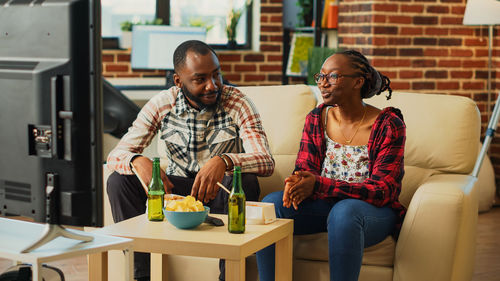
(194, 136)
(386, 167)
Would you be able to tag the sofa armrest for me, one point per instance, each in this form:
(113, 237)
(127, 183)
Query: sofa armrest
(437, 240)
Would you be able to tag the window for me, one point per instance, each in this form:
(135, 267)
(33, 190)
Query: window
(114, 12)
(209, 13)
(213, 14)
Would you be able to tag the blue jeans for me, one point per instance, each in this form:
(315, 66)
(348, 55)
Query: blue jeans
(351, 224)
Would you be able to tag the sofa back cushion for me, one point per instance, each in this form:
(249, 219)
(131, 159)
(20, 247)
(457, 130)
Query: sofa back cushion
(442, 134)
(283, 110)
(442, 130)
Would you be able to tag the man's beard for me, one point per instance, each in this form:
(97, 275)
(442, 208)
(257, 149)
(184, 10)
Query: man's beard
(197, 99)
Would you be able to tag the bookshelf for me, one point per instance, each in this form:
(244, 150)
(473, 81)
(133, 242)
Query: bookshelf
(326, 37)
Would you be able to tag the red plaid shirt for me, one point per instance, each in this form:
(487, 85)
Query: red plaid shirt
(386, 167)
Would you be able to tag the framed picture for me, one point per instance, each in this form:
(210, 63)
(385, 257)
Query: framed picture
(299, 54)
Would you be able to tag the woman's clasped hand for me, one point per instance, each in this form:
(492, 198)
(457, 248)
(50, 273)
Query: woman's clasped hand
(298, 186)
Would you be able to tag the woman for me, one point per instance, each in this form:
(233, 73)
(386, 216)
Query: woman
(349, 168)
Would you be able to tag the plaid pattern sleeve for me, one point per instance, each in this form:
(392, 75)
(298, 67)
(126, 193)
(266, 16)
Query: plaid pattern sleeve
(386, 153)
(142, 131)
(256, 156)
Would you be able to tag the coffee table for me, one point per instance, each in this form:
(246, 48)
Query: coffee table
(162, 239)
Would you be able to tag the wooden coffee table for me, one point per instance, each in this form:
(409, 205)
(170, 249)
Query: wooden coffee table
(163, 239)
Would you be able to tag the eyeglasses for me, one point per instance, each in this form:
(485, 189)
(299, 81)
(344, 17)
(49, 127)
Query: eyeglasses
(331, 77)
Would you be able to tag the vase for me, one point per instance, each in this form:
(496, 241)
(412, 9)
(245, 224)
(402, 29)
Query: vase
(126, 40)
(231, 44)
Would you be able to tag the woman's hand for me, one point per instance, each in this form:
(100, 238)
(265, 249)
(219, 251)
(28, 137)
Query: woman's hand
(301, 189)
(289, 182)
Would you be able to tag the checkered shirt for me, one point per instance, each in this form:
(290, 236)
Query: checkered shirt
(194, 136)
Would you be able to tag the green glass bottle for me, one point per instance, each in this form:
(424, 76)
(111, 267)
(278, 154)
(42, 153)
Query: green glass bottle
(156, 194)
(236, 204)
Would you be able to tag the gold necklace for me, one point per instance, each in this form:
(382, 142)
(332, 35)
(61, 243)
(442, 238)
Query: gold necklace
(348, 141)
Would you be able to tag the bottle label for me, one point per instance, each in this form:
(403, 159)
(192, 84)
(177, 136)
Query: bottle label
(155, 208)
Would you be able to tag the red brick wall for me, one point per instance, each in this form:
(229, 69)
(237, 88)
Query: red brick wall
(422, 46)
(241, 67)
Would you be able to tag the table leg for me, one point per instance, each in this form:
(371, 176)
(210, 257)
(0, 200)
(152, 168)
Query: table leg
(159, 269)
(98, 266)
(129, 264)
(235, 270)
(284, 256)
(36, 271)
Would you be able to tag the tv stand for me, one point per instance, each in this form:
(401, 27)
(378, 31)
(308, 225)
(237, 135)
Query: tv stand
(52, 228)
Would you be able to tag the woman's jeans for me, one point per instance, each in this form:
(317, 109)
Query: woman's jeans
(351, 224)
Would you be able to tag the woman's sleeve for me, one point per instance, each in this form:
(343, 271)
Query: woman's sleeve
(308, 157)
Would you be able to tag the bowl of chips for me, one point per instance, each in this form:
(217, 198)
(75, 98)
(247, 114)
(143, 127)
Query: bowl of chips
(186, 213)
(172, 197)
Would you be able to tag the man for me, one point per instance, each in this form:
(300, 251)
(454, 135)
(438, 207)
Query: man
(208, 128)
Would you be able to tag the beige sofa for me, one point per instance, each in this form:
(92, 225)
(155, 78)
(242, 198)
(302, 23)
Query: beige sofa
(437, 240)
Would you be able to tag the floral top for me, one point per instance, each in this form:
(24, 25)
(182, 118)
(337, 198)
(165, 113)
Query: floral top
(345, 162)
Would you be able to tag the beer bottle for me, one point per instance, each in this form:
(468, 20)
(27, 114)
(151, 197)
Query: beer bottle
(236, 204)
(155, 194)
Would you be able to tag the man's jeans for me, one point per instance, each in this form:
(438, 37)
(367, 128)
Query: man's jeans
(351, 224)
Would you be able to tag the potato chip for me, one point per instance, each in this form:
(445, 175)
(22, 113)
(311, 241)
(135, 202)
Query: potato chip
(188, 204)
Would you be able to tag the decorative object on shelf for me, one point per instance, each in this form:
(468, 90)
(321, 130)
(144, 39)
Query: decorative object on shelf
(299, 54)
(330, 14)
(306, 13)
(232, 21)
(126, 27)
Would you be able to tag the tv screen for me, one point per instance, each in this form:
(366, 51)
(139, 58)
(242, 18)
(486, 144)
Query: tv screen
(51, 109)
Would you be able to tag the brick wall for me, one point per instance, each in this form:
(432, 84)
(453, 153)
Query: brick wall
(241, 67)
(422, 46)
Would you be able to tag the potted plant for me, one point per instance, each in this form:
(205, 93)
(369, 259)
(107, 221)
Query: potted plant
(232, 23)
(126, 38)
(306, 12)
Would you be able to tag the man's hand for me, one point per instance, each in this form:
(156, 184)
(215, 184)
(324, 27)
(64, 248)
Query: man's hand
(302, 189)
(144, 168)
(205, 186)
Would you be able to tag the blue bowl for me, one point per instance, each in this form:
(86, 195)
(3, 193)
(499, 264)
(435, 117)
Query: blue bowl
(186, 220)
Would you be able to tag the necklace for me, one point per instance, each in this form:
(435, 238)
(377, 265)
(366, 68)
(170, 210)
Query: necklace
(348, 141)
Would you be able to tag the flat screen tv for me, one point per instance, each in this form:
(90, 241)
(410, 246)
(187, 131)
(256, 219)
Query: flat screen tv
(51, 111)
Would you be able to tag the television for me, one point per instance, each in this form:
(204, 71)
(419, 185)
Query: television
(51, 111)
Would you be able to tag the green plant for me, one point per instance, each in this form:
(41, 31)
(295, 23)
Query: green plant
(306, 12)
(317, 55)
(156, 21)
(232, 20)
(127, 25)
(198, 22)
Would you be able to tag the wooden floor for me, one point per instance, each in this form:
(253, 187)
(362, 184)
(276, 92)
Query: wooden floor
(487, 266)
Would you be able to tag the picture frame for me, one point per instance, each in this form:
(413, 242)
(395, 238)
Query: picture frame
(299, 54)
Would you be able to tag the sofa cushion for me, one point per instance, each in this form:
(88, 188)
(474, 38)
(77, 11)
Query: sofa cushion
(315, 247)
(294, 103)
(413, 178)
(451, 145)
(283, 110)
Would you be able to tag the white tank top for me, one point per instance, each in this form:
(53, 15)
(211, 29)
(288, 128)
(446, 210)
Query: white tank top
(345, 162)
